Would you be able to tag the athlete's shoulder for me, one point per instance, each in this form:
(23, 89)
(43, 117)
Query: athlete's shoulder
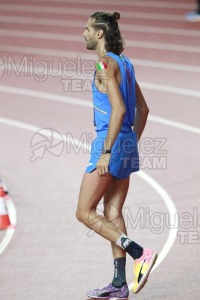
(107, 64)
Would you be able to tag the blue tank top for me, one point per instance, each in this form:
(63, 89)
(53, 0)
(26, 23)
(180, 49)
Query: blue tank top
(101, 103)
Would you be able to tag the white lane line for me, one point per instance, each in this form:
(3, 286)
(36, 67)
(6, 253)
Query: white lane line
(26, 68)
(162, 46)
(79, 39)
(85, 103)
(11, 230)
(144, 85)
(41, 51)
(87, 12)
(170, 89)
(16, 68)
(172, 215)
(81, 25)
(143, 3)
(164, 65)
(42, 95)
(159, 30)
(152, 182)
(73, 55)
(174, 124)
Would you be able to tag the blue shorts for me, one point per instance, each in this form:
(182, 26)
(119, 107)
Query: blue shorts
(124, 155)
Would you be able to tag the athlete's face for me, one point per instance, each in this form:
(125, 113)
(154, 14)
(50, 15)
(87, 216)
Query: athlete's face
(90, 36)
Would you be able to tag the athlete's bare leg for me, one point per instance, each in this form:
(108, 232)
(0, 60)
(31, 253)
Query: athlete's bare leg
(113, 204)
(93, 188)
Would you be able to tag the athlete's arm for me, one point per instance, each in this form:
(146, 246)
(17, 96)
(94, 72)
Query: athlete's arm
(142, 111)
(109, 80)
(118, 107)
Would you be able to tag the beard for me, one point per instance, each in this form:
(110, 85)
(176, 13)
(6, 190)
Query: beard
(91, 44)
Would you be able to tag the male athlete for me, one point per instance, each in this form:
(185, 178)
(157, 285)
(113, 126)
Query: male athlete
(120, 114)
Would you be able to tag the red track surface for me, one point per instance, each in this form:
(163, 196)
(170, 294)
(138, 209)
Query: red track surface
(51, 256)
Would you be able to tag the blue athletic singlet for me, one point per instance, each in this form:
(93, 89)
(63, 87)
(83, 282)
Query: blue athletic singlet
(101, 103)
(124, 156)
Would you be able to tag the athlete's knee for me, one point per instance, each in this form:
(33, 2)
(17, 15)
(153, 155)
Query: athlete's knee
(88, 217)
(80, 215)
(83, 216)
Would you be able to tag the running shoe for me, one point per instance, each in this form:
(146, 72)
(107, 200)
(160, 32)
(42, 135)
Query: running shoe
(110, 292)
(142, 268)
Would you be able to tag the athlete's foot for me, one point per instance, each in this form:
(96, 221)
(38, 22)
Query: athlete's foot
(110, 292)
(142, 268)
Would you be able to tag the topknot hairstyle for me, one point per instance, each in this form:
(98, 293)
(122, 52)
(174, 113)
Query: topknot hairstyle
(116, 15)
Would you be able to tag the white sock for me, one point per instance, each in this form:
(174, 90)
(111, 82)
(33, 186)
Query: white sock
(123, 241)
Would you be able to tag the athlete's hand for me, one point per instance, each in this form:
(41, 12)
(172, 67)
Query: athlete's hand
(102, 165)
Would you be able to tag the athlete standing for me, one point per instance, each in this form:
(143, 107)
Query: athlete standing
(120, 114)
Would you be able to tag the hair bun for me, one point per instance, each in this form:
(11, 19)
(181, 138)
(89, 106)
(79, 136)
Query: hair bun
(116, 15)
